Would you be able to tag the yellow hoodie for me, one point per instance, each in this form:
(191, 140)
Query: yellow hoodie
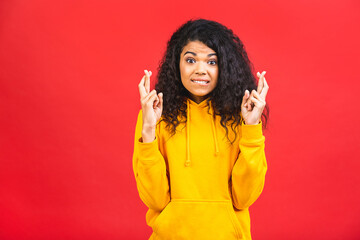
(196, 184)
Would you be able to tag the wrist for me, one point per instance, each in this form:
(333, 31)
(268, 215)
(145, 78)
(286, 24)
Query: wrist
(251, 123)
(148, 135)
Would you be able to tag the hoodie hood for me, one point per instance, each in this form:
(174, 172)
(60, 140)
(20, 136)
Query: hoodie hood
(202, 106)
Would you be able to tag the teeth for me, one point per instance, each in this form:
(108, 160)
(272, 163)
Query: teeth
(200, 81)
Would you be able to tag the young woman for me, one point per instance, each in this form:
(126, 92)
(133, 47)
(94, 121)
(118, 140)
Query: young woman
(199, 159)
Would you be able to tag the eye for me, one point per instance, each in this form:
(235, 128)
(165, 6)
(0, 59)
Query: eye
(212, 62)
(190, 60)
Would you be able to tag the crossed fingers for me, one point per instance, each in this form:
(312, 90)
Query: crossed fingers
(257, 97)
(144, 85)
(263, 87)
(147, 97)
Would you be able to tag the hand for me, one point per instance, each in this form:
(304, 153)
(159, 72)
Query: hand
(253, 104)
(152, 106)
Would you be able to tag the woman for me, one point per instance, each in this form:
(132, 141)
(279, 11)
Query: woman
(199, 159)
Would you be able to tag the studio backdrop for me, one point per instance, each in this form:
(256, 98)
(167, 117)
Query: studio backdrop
(69, 100)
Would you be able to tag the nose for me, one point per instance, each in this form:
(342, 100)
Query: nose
(200, 68)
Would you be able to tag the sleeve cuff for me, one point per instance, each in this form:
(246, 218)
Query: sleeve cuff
(148, 151)
(252, 131)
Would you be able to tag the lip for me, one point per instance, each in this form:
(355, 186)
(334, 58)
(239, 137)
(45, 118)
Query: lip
(200, 81)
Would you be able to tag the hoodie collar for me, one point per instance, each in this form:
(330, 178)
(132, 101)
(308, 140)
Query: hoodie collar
(202, 104)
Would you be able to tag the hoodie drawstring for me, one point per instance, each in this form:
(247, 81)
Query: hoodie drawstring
(214, 132)
(187, 162)
(213, 128)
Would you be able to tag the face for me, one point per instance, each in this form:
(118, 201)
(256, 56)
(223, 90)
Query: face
(198, 70)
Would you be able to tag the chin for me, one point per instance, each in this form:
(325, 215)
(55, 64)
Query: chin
(199, 94)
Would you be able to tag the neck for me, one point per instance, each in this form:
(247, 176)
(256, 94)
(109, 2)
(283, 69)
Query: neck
(197, 99)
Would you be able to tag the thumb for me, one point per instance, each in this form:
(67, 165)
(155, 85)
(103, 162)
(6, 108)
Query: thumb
(161, 100)
(245, 97)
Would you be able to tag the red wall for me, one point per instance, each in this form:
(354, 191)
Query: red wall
(68, 103)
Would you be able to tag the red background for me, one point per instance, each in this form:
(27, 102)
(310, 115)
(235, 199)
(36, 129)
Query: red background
(68, 104)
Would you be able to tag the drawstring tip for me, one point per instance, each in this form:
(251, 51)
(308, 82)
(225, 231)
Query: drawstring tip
(187, 163)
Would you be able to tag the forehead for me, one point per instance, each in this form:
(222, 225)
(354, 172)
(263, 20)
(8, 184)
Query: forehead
(197, 47)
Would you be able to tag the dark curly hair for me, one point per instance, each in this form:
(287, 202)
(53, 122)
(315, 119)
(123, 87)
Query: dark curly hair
(235, 74)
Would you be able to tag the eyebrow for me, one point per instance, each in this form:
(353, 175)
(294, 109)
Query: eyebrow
(209, 55)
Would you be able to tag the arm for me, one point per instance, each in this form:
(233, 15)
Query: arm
(150, 171)
(248, 174)
(148, 163)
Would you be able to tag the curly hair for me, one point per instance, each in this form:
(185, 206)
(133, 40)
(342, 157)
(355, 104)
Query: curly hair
(235, 75)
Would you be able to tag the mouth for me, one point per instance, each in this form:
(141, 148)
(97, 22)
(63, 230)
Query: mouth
(200, 81)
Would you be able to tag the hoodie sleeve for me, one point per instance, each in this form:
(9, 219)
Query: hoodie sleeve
(150, 171)
(248, 174)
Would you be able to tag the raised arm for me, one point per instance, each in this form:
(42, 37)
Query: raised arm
(148, 163)
(248, 174)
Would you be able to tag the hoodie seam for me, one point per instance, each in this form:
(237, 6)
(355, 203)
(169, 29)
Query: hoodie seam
(201, 200)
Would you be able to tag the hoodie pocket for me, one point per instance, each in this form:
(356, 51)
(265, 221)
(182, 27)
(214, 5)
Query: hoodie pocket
(197, 219)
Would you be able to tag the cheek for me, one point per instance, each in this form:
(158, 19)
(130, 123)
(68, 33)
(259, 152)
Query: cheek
(183, 75)
(215, 74)
(182, 70)
(185, 70)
